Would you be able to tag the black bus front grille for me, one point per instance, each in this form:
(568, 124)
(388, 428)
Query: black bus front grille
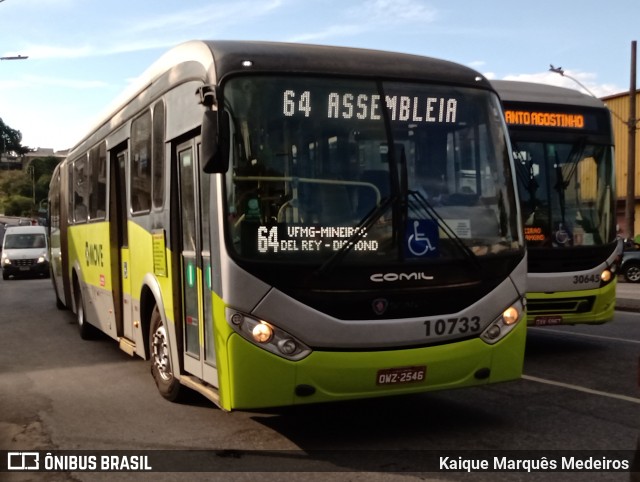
(561, 305)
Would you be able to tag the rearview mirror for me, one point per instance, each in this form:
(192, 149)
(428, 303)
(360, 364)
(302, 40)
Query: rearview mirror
(215, 142)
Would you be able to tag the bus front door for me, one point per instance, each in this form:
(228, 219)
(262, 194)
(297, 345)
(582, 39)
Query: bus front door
(195, 265)
(119, 242)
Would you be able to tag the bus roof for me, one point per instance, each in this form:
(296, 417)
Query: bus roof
(516, 91)
(330, 60)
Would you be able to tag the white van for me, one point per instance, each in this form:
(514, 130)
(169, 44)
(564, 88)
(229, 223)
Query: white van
(25, 250)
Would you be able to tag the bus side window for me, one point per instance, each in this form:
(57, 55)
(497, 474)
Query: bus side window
(80, 188)
(158, 154)
(98, 181)
(140, 179)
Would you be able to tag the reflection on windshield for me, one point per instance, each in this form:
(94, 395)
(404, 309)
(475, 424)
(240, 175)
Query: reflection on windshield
(566, 192)
(319, 168)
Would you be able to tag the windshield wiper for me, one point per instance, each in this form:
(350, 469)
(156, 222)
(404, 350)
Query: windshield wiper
(573, 159)
(420, 203)
(526, 177)
(391, 202)
(361, 229)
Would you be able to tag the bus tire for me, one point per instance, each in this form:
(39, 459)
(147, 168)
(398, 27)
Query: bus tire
(59, 304)
(87, 331)
(160, 355)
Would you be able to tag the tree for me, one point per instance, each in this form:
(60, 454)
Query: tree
(18, 206)
(14, 182)
(44, 166)
(21, 191)
(11, 140)
(17, 187)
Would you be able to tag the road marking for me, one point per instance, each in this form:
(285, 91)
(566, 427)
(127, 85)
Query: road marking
(582, 389)
(549, 331)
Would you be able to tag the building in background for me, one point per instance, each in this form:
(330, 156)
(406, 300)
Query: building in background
(619, 106)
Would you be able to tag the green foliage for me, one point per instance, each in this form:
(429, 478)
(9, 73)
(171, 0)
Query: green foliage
(11, 140)
(17, 187)
(17, 205)
(44, 166)
(13, 182)
(42, 187)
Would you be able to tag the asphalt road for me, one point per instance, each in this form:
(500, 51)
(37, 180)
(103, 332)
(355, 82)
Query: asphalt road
(627, 296)
(58, 392)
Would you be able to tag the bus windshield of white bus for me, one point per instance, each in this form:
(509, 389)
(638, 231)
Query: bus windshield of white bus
(385, 171)
(566, 192)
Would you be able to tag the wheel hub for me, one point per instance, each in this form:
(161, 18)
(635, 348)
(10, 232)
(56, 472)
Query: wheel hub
(160, 353)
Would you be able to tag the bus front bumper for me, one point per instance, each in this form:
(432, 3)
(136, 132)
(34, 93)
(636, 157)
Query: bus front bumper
(260, 379)
(572, 307)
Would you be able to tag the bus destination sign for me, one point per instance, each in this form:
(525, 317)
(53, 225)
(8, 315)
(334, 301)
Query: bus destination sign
(544, 119)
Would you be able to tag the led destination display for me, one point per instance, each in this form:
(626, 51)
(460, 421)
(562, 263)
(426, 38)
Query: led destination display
(544, 119)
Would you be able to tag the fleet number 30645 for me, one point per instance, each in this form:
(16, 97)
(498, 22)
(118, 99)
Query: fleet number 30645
(586, 278)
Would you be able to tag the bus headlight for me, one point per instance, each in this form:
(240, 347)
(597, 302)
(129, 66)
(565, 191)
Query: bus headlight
(262, 333)
(510, 315)
(606, 276)
(267, 336)
(502, 325)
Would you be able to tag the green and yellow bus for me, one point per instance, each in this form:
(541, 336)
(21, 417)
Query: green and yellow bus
(563, 152)
(274, 224)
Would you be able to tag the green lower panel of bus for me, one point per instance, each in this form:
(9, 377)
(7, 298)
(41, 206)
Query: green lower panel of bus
(261, 379)
(572, 307)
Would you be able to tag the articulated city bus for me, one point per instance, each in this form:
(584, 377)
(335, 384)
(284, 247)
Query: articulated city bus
(275, 224)
(563, 152)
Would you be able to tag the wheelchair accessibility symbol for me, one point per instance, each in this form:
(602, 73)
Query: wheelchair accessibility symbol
(421, 238)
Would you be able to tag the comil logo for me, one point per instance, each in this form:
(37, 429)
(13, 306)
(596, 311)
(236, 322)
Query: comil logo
(392, 277)
(23, 461)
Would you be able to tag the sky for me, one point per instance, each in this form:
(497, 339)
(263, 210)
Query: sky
(84, 53)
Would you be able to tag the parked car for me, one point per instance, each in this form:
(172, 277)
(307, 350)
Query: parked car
(25, 251)
(630, 267)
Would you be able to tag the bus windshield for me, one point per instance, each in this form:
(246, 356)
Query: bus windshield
(387, 171)
(566, 192)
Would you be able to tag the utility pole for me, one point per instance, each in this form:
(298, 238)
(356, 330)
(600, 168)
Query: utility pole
(630, 207)
(32, 174)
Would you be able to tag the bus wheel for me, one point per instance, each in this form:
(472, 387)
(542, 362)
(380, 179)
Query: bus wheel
(87, 331)
(161, 368)
(59, 304)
